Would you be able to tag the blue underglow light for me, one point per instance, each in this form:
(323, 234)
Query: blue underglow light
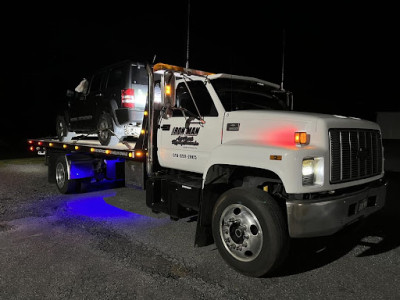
(95, 206)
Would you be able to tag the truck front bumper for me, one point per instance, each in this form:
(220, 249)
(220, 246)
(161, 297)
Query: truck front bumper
(312, 218)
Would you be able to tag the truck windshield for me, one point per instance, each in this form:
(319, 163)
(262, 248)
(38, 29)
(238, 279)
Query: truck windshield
(238, 94)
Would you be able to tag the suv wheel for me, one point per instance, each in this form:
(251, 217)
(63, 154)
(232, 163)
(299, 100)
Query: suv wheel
(61, 128)
(105, 128)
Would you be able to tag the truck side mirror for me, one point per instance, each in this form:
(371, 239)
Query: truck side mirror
(168, 89)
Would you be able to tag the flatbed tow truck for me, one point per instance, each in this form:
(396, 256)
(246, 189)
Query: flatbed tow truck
(230, 150)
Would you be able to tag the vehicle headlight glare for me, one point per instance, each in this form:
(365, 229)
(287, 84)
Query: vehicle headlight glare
(313, 171)
(308, 167)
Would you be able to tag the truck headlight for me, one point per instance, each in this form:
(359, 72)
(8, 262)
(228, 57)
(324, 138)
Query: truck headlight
(313, 171)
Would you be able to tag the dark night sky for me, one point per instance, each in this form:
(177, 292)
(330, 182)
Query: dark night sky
(338, 58)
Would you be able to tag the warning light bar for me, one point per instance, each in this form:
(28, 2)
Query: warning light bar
(161, 66)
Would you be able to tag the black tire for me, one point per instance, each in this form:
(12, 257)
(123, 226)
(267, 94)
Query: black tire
(61, 128)
(105, 128)
(250, 231)
(65, 185)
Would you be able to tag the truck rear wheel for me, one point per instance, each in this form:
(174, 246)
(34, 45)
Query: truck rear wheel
(250, 231)
(64, 185)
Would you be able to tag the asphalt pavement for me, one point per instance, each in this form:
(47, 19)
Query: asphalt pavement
(106, 244)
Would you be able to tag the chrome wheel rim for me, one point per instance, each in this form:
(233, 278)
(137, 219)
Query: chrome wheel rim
(60, 175)
(241, 232)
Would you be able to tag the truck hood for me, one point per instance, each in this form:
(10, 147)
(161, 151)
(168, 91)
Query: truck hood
(277, 128)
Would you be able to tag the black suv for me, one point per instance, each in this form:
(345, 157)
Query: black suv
(110, 103)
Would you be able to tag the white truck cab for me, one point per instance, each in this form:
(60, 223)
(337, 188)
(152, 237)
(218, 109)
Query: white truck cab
(239, 134)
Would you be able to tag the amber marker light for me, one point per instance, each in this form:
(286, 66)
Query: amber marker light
(139, 154)
(168, 90)
(300, 138)
(76, 147)
(65, 146)
(146, 113)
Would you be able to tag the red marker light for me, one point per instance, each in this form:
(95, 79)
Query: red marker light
(128, 98)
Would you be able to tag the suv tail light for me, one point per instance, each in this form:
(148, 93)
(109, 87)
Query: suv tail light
(128, 98)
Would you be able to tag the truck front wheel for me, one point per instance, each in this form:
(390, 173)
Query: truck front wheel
(250, 231)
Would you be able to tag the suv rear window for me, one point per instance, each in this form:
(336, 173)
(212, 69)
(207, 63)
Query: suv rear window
(97, 80)
(116, 79)
(139, 75)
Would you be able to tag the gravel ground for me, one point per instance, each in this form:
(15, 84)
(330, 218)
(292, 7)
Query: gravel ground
(106, 244)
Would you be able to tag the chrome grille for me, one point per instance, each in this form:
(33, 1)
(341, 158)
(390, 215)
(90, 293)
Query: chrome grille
(355, 154)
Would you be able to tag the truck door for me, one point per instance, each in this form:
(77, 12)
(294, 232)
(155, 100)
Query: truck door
(185, 142)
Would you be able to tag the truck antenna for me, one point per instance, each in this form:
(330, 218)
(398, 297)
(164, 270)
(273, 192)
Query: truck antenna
(187, 36)
(283, 58)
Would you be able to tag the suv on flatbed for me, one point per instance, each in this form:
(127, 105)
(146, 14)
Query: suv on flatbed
(110, 103)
